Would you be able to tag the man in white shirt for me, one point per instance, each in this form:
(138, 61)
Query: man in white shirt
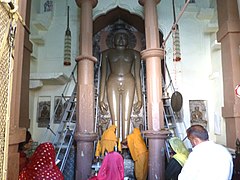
(208, 160)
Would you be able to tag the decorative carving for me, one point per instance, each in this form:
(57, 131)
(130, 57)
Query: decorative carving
(102, 124)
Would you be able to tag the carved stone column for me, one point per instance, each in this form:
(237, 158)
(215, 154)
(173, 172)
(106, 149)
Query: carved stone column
(156, 164)
(153, 55)
(85, 135)
(229, 36)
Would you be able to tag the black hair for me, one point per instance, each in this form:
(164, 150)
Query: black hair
(22, 144)
(198, 131)
(28, 136)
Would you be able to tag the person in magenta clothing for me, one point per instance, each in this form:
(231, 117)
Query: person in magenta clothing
(112, 168)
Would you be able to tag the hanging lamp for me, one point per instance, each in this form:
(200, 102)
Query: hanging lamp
(176, 38)
(67, 43)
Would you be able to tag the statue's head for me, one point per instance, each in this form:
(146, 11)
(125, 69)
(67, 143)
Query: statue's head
(197, 108)
(125, 30)
(121, 39)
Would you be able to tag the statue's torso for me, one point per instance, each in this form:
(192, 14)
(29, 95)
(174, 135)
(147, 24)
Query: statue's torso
(120, 61)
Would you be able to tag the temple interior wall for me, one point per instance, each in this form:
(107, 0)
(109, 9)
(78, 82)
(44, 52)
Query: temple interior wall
(197, 76)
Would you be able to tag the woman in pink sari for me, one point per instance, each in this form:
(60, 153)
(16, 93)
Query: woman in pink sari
(112, 168)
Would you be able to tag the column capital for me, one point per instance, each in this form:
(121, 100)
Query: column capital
(152, 52)
(87, 137)
(93, 2)
(142, 2)
(85, 57)
(231, 110)
(151, 134)
(228, 27)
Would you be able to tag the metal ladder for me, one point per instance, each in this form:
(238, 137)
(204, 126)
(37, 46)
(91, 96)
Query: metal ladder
(170, 120)
(170, 124)
(63, 140)
(62, 135)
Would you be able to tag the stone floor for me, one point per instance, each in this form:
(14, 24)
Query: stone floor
(69, 171)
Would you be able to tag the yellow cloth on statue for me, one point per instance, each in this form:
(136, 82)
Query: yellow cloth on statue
(139, 154)
(98, 149)
(107, 146)
(180, 149)
(136, 144)
(109, 134)
(141, 166)
(119, 146)
(108, 140)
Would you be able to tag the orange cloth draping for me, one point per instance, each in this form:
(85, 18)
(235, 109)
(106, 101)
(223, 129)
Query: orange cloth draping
(139, 154)
(108, 141)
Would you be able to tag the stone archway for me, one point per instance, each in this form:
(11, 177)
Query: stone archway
(115, 14)
(152, 56)
(104, 28)
(139, 24)
(118, 13)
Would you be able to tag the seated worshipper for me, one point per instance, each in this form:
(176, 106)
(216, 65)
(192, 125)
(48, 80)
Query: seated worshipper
(108, 142)
(22, 148)
(139, 153)
(42, 165)
(177, 161)
(208, 160)
(112, 168)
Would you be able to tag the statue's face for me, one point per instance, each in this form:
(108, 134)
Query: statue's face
(121, 39)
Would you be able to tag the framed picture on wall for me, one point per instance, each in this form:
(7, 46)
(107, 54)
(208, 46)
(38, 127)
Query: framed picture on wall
(58, 109)
(60, 104)
(44, 106)
(198, 112)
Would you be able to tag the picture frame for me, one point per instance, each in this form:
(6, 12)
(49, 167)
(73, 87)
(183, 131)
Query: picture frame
(60, 104)
(43, 112)
(198, 112)
(58, 109)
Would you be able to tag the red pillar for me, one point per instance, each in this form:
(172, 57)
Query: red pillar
(85, 134)
(229, 36)
(153, 55)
